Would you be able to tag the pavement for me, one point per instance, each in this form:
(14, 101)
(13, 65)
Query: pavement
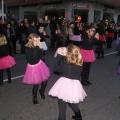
(102, 102)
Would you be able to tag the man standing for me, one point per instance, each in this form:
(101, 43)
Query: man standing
(14, 33)
(53, 28)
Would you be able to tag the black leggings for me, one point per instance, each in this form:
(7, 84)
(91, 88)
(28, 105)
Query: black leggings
(86, 67)
(8, 74)
(63, 106)
(35, 88)
(109, 42)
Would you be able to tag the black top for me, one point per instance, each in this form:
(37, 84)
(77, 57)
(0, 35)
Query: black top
(76, 31)
(110, 30)
(4, 50)
(87, 43)
(100, 31)
(66, 69)
(33, 55)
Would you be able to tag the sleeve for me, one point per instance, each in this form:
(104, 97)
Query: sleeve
(58, 64)
(96, 41)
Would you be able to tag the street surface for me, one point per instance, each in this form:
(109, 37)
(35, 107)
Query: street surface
(102, 102)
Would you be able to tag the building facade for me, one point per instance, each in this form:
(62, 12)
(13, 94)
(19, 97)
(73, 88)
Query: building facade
(89, 10)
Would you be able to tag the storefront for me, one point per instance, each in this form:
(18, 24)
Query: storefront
(108, 14)
(80, 9)
(54, 12)
(70, 10)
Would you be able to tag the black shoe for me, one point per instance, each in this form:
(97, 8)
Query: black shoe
(9, 81)
(35, 101)
(77, 116)
(1, 83)
(102, 56)
(42, 94)
(98, 57)
(84, 83)
(89, 82)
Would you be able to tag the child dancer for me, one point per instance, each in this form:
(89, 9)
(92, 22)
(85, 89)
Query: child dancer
(87, 52)
(6, 61)
(36, 72)
(101, 30)
(110, 35)
(42, 34)
(68, 88)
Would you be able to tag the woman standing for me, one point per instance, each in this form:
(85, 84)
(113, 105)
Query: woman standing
(36, 72)
(88, 56)
(68, 89)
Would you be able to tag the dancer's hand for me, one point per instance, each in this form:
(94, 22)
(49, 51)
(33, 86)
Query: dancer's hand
(62, 51)
(97, 36)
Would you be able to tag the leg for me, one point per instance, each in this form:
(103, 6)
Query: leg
(10, 47)
(1, 77)
(9, 75)
(107, 42)
(98, 51)
(110, 44)
(43, 58)
(76, 110)
(85, 73)
(23, 47)
(34, 91)
(62, 109)
(52, 43)
(102, 51)
(42, 90)
(14, 44)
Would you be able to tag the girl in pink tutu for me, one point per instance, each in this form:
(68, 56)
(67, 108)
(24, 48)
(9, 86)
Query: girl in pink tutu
(36, 72)
(6, 61)
(68, 89)
(88, 55)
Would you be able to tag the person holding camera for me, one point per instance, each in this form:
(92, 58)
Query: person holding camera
(90, 38)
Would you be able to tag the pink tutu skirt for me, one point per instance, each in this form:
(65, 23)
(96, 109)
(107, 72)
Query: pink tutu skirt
(7, 62)
(35, 74)
(68, 90)
(118, 40)
(76, 38)
(88, 55)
